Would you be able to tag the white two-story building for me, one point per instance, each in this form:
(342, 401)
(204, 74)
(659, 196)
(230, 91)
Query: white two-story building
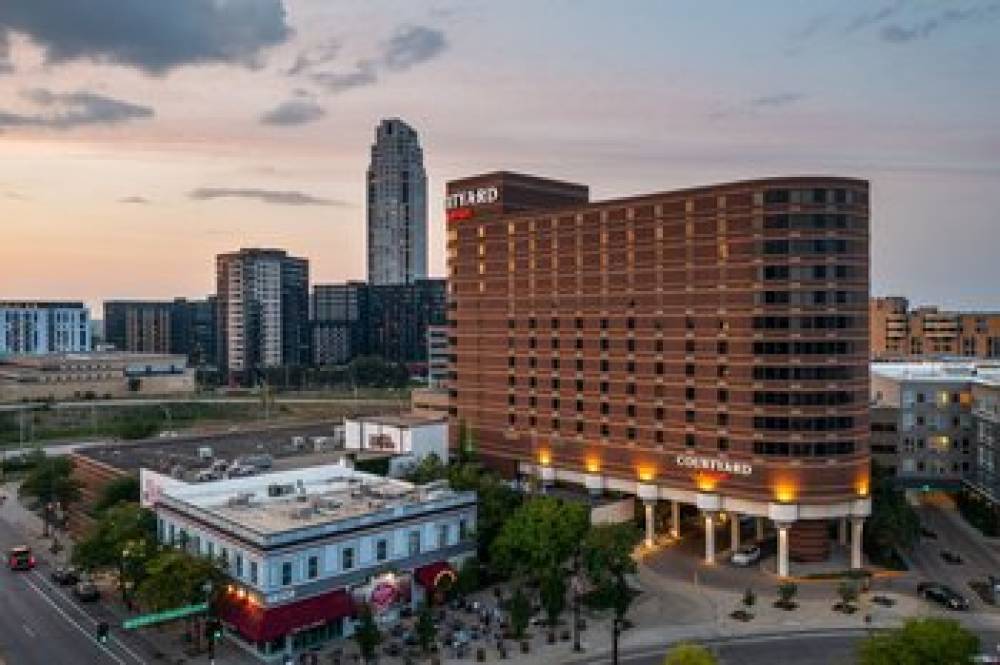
(306, 548)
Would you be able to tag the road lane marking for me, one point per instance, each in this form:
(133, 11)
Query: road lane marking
(80, 609)
(83, 630)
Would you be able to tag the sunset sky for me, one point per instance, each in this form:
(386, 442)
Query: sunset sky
(139, 139)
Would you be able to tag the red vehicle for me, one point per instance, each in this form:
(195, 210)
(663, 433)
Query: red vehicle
(20, 558)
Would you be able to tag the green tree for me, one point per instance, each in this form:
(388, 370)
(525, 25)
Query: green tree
(893, 525)
(929, 641)
(50, 480)
(607, 557)
(367, 634)
(175, 578)
(520, 612)
(124, 489)
(426, 628)
(690, 654)
(469, 577)
(497, 502)
(541, 534)
(428, 470)
(848, 592)
(786, 592)
(552, 592)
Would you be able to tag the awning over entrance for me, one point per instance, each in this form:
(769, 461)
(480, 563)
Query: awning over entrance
(260, 624)
(432, 575)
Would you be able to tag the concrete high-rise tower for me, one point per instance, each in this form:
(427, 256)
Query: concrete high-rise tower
(397, 206)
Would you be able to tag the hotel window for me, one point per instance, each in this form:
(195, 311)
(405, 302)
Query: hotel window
(442, 536)
(659, 346)
(605, 430)
(253, 572)
(723, 443)
(604, 387)
(630, 433)
(630, 323)
(239, 565)
(630, 344)
(605, 344)
(689, 369)
(381, 549)
(579, 385)
(532, 343)
(660, 413)
(532, 362)
(629, 388)
(312, 567)
(347, 558)
(286, 573)
(630, 410)
(579, 406)
(689, 416)
(511, 381)
(579, 427)
(722, 347)
(722, 419)
(659, 368)
(579, 343)
(555, 363)
(555, 402)
(604, 324)
(689, 440)
(463, 529)
(689, 346)
(723, 395)
(630, 367)
(511, 419)
(579, 363)
(605, 409)
(689, 393)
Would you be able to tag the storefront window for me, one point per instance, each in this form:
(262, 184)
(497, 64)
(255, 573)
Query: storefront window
(414, 543)
(347, 558)
(286, 573)
(382, 550)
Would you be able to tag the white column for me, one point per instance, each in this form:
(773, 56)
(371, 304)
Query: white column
(709, 538)
(675, 519)
(650, 528)
(782, 549)
(734, 531)
(857, 529)
(759, 524)
(842, 531)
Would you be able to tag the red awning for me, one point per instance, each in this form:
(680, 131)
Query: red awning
(259, 624)
(431, 575)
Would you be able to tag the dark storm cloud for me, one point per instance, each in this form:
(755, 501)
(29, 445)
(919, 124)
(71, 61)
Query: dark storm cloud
(293, 112)
(922, 29)
(411, 45)
(266, 195)
(152, 35)
(140, 200)
(73, 109)
(779, 99)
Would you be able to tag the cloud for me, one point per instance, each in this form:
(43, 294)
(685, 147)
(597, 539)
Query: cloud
(868, 19)
(365, 73)
(313, 57)
(153, 36)
(764, 102)
(921, 30)
(5, 66)
(408, 46)
(293, 112)
(74, 109)
(779, 99)
(141, 200)
(266, 195)
(411, 45)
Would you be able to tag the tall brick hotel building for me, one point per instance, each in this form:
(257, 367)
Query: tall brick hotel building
(706, 347)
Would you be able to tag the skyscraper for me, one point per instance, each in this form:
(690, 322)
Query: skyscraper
(263, 310)
(397, 206)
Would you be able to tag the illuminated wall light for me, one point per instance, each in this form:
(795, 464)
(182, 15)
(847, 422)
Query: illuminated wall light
(785, 492)
(545, 457)
(862, 486)
(706, 482)
(593, 464)
(646, 473)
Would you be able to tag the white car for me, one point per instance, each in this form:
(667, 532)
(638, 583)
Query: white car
(746, 556)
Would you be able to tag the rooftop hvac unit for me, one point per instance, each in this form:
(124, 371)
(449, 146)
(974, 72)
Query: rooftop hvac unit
(303, 512)
(241, 499)
(280, 490)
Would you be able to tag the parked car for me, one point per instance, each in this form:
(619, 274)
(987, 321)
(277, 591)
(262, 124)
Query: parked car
(928, 533)
(86, 591)
(943, 595)
(20, 558)
(746, 556)
(65, 575)
(953, 558)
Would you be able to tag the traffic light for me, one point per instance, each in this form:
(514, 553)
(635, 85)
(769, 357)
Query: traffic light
(102, 632)
(213, 629)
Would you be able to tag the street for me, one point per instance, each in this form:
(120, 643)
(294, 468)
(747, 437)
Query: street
(42, 624)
